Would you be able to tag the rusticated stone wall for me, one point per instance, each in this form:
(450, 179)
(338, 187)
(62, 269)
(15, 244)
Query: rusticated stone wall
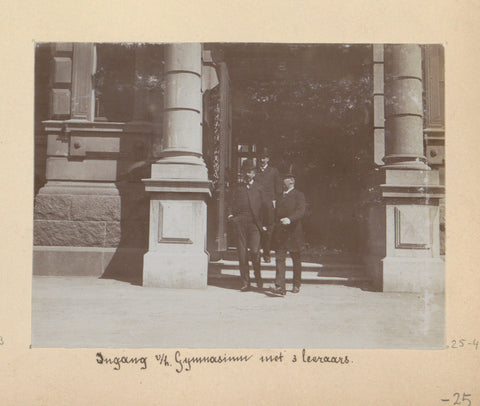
(92, 221)
(111, 232)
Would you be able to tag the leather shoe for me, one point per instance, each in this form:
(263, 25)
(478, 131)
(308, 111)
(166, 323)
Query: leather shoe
(295, 289)
(279, 291)
(245, 288)
(260, 285)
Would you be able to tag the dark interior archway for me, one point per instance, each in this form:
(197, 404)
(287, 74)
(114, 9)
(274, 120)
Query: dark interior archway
(311, 106)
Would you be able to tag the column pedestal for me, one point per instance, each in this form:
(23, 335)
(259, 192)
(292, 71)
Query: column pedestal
(179, 185)
(403, 235)
(177, 256)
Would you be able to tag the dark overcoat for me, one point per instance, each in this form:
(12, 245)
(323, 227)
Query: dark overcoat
(270, 180)
(289, 237)
(260, 206)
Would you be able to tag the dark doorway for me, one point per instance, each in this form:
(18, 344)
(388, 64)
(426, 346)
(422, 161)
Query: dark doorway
(311, 105)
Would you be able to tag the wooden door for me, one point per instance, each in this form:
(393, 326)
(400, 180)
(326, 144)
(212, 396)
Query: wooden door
(218, 157)
(225, 155)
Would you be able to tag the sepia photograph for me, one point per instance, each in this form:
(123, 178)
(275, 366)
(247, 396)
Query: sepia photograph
(239, 195)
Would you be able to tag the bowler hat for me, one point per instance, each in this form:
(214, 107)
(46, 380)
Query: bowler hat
(264, 153)
(248, 165)
(288, 176)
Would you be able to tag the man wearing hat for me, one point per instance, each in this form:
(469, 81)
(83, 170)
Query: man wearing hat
(269, 178)
(251, 216)
(288, 234)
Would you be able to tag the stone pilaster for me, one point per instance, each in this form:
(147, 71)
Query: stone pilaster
(72, 103)
(179, 185)
(85, 220)
(403, 235)
(434, 85)
(61, 81)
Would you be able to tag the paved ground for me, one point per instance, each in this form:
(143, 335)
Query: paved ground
(333, 310)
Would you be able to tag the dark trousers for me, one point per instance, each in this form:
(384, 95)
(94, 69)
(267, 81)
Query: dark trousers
(280, 257)
(248, 237)
(266, 242)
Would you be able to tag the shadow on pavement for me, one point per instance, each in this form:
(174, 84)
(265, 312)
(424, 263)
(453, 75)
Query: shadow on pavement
(227, 281)
(232, 282)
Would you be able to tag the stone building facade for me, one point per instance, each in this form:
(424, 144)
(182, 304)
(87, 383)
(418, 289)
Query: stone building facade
(131, 176)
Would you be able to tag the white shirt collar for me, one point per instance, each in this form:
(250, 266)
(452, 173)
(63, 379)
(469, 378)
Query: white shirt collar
(289, 190)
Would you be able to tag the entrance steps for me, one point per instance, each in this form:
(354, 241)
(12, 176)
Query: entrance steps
(343, 270)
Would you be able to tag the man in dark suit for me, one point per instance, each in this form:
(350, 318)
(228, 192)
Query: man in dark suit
(269, 178)
(251, 216)
(288, 234)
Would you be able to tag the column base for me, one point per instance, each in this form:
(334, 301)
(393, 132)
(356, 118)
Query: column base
(413, 275)
(406, 161)
(175, 270)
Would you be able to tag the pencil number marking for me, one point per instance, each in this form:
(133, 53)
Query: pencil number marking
(463, 343)
(459, 399)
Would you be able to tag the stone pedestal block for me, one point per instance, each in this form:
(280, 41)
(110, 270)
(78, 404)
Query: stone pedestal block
(177, 256)
(403, 235)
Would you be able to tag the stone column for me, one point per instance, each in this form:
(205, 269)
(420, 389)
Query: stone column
(403, 234)
(404, 107)
(179, 184)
